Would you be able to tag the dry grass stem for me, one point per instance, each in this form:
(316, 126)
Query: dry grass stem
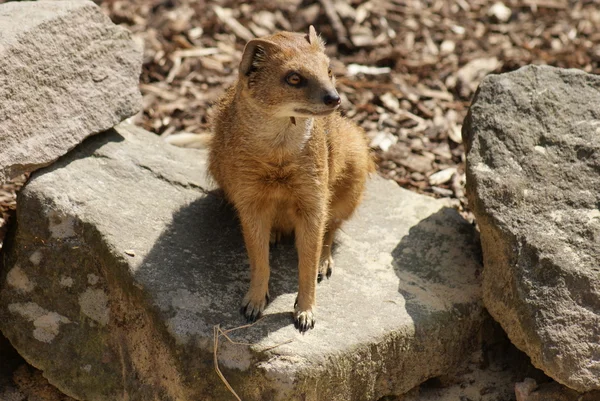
(217, 333)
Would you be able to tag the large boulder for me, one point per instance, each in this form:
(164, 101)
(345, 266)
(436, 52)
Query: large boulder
(66, 72)
(533, 182)
(122, 262)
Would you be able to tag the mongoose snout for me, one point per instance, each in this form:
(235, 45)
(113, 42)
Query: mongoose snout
(332, 99)
(288, 161)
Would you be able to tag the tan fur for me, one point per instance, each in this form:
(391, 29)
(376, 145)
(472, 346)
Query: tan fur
(287, 161)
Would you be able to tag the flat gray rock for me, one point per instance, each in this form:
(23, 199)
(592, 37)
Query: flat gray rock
(66, 72)
(533, 180)
(123, 262)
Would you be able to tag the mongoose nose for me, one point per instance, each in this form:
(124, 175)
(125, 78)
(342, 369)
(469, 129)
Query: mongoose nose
(332, 99)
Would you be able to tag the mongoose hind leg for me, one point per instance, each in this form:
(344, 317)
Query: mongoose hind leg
(326, 263)
(325, 267)
(347, 198)
(275, 238)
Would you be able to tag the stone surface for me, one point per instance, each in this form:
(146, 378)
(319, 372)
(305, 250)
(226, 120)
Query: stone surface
(122, 263)
(21, 382)
(533, 174)
(529, 390)
(66, 72)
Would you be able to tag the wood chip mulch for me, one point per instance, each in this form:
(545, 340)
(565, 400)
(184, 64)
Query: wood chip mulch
(407, 69)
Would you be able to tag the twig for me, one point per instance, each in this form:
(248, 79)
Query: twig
(278, 345)
(175, 69)
(155, 90)
(407, 114)
(557, 4)
(240, 30)
(198, 52)
(218, 332)
(336, 23)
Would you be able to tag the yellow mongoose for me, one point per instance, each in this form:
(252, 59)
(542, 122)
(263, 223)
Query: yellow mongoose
(287, 161)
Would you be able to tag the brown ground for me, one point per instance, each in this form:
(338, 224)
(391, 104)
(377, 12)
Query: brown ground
(436, 52)
(407, 69)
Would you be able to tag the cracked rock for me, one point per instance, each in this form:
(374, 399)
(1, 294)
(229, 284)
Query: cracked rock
(533, 173)
(127, 260)
(66, 72)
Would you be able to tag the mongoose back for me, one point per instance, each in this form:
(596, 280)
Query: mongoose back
(287, 161)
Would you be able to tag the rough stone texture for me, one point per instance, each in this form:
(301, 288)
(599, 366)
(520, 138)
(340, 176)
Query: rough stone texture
(529, 390)
(533, 174)
(122, 263)
(66, 72)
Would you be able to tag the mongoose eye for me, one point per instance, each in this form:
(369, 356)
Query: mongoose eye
(294, 79)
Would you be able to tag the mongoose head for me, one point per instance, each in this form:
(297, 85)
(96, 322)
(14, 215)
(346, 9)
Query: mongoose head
(289, 74)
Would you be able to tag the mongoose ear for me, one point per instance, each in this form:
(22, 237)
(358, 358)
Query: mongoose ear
(255, 53)
(315, 39)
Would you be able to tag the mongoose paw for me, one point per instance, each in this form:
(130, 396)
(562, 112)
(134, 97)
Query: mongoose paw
(303, 320)
(325, 269)
(252, 309)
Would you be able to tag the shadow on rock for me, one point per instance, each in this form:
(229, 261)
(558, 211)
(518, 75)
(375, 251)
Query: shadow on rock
(439, 264)
(88, 148)
(201, 271)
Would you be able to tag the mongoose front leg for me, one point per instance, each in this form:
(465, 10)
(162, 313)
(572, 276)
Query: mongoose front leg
(309, 237)
(256, 229)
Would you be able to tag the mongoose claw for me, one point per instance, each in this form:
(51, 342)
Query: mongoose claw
(253, 310)
(250, 313)
(304, 320)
